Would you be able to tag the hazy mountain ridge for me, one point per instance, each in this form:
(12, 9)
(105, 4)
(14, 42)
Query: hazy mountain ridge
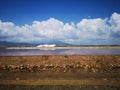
(57, 43)
(5, 43)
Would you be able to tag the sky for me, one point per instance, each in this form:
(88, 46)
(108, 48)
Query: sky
(77, 22)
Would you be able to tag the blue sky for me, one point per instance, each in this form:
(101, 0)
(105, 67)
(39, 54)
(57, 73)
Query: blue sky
(26, 11)
(34, 20)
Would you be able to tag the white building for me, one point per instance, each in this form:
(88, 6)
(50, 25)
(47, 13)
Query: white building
(47, 45)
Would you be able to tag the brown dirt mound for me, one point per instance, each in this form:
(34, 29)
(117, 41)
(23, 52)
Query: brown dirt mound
(61, 63)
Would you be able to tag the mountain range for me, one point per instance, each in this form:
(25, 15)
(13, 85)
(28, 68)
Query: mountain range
(57, 43)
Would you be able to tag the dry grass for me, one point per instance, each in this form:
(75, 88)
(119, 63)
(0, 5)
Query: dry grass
(56, 59)
(57, 87)
(60, 66)
(61, 82)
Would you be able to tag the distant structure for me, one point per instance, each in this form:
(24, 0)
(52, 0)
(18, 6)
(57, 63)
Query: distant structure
(47, 45)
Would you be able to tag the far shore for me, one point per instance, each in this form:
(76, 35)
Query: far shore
(65, 47)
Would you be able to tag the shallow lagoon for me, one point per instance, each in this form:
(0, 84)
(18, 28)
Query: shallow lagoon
(79, 51)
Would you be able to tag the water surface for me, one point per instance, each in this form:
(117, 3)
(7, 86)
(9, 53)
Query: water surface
(17, 52)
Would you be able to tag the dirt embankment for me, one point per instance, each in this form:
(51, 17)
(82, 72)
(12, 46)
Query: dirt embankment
(61, 63)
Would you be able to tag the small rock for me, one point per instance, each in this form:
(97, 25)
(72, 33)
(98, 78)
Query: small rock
(105, 78)
(17, 78)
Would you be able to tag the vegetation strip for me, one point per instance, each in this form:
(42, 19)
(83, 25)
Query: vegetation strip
(61, 82)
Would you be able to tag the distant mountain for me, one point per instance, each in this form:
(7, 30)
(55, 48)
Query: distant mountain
(5, 43)
(57, 43)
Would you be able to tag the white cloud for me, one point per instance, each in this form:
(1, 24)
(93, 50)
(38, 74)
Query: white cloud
(87, 31)
(115, 25)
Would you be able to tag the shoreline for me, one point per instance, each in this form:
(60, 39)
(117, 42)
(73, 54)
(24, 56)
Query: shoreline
(66, 47)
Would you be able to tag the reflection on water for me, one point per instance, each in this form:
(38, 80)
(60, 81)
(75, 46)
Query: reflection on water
(7, 52)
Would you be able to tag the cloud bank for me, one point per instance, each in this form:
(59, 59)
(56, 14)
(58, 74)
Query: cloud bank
(95, 31)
